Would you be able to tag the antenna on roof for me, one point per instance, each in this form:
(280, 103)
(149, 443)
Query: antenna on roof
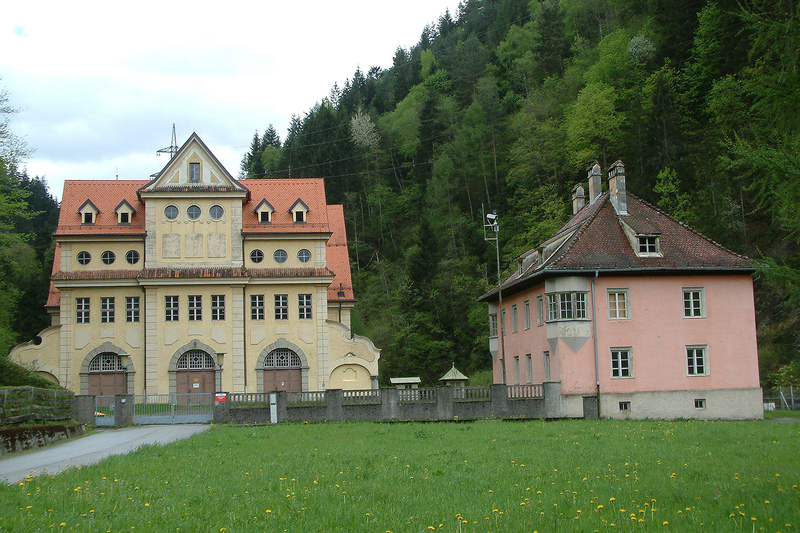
(172, 149)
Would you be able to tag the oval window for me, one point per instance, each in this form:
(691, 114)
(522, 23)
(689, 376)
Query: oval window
(216, 211)
(304, 256)
(84, 258)
(256, 256)
(171, 212)
(132, 257)
(108, 257)
(280, 256)
(193, 212)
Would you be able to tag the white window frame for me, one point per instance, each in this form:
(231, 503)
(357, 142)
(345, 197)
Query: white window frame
(566, 306)
(493, 326)
(217, 307)
(503, 321)
(131, 309)
(692, 360)
(621, 365)
(107, 309)
(281, 307)
(546, 364)
(171, 308)
(614, 307)
(82, 309)
(516, 370)
(529, 367)
(304, 306)
(697, 295)
(194, 172)
(648, 246)
(539, 311)
(195, 303)
(256, 307)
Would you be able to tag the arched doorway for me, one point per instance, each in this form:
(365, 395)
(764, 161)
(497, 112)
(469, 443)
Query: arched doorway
(283, 371)
(107, 376)
(195, 371)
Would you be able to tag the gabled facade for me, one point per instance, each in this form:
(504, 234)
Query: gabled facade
(196, 282)
(631, 314)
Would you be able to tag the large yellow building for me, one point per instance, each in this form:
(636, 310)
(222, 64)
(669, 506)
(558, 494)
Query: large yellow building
(196, 282)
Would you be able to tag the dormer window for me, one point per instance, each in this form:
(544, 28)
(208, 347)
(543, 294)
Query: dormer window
(124, 213)
(88, 212)
(299, 211)
(264, 212)
(648, 245)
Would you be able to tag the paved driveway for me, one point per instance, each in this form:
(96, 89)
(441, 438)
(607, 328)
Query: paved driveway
(90, 449)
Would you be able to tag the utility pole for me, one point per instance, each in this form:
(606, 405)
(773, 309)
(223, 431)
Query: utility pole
(491, 233)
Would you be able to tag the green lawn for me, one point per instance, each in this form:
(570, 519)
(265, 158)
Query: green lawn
(457, 477)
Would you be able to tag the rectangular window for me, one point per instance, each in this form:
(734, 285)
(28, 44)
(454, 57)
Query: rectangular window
(625, 406)
(503, 321)
(529, 368)
(539, 311)
(132, 309)
(257, 307)
(81, 310)
(493, 325)
(516, 370)
(621, 363)
(546, 361)
(700, 403)
(171, 308)
(696, 364)
(194, 172)
(195, 308)
(304, 305)
(618, 303)
(124, 218)
(514, 318)
(281, 307)
(566, 306)
(107, 310)
(218, 307)
(693, 303)
(648, 244)
(526, 314)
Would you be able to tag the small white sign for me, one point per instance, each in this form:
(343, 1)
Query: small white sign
(195, 385)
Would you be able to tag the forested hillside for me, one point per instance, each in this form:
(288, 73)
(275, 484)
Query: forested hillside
(28, 218)
(505, 105)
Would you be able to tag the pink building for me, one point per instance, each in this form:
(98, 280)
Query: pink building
(630, 314)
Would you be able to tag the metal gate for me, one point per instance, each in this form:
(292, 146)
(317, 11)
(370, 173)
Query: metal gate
(173, 408)
(104, 411)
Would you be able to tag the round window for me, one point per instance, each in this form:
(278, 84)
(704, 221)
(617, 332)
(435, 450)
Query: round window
(193, 212)
(280, 256)
(304, 256)
(256, 256)
(132, 257)
(84, 258)
(171, 212)
(216, 211)
(108, 257)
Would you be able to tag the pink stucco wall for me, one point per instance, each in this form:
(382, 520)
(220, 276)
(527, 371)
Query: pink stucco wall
(656, 331)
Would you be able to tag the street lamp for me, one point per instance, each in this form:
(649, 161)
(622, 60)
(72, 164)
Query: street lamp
(491, 233)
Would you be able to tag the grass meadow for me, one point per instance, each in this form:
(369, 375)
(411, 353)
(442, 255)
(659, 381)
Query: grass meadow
(501, 476)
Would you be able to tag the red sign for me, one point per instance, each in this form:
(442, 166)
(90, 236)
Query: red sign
(220, 396)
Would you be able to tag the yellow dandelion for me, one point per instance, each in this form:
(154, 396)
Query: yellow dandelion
(664, 523)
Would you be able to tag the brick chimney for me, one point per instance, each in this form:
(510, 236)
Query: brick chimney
(616, 187)
(595, 187)
(578, 198)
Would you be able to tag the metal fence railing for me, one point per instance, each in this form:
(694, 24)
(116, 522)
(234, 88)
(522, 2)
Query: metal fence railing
(30, 403)
(782, 398)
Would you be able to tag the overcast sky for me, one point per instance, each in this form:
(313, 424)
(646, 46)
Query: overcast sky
(99, 84)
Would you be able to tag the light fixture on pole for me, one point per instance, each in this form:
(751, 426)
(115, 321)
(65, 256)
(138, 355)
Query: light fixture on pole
(491, 233)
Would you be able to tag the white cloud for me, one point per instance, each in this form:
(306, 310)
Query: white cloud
(100, 84)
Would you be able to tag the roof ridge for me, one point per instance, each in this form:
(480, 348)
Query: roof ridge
(582, 226)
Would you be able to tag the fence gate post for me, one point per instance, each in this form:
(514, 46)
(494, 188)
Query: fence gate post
(5, 399)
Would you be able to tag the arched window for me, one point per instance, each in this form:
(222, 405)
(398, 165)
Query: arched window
(195, 360)
(282, 358)
(106, 362)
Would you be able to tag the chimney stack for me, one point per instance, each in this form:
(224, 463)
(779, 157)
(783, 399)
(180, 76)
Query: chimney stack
(616, 187)
(595, 187)
(578, 198)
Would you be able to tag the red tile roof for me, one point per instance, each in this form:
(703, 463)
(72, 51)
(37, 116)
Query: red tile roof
(282, 194)
(596, 241)
(339, 257)
(106, 195)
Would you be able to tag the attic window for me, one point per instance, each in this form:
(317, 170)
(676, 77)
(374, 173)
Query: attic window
(299, 211)
(88, 217)
(299, 216)
(194, 172)
(648, 245)
(264, 217)
(124, 218)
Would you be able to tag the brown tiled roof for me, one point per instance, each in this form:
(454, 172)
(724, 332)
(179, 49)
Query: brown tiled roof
(338, 257)
(193, 273)
(98, 275)
(598, 243)
(106, 195)
(282, 194)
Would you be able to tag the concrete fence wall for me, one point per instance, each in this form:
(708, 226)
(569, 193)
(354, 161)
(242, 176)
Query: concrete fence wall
(447, 403)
